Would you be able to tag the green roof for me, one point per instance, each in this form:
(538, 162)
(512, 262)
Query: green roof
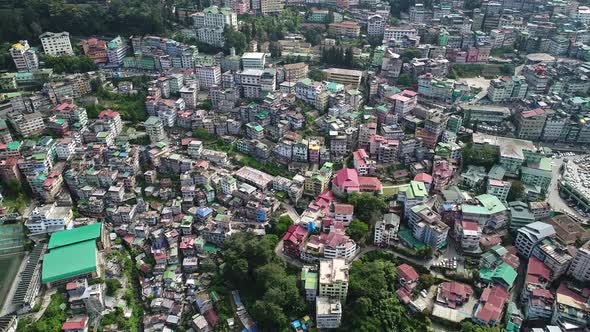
(75, 235)
(491, 205)
(503, 272)
(418, 188)
(545, 164)
(13, 145)
(310, 280)
(69, 261)
(152, 120)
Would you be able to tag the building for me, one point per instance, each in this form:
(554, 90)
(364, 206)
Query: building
(571, 310)
(309, 280)
(386, 230)
(116, 51)
(453, 294)
(328, 313)
(333, 278)
(487, 210)
(427, 226)
(344, 76)
(520, 215)
(347, 29)
(468, 234)
(25, 59)
(498, 188)
(375, 25)
(49, 218)
(95, 49)
(580, 265)
(271, 7)
(253, 60)
(56, 44)
(155, 129)
(347, 181)
(531, 235)
(530, 124)
(71, 262)
(208, 76)
(555, 255)
(295, 71)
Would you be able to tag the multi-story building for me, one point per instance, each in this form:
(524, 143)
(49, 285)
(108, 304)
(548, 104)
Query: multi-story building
(386, 230)
(95, 49)
(530, 235)
(520, 215)
(397, 33)
(498, 188)
(208, 76)
(333, 280)
(580, 265)
(271, 7)
(155, 129)
(25, 59)
(344, 76)
(117, 51)
(328, 312)
(506, 89)
(487, 210)
(427, 226)
(530, 124)
(295, 71)
(413, 195)
(554, 254)
(48, 219)
(28, 124)
(468, 234)
(56, 44)
(253, 60)
(348, 29)
(570, 311)
(375, 25)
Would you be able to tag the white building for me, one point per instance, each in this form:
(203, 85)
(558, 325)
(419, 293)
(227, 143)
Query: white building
(208, 76)
(530, 235)
(397, 33)
(328, 312)
(56, 44)
(116, 50)
(580, 266)
(334, 278)
(49, 218)
(155, 129)
(375, 25)
(253, 60)
(25, 59)
(386, 230)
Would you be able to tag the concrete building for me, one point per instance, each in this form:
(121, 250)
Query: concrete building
(253, 60)
(498, 188)
(386, 230)
(375, 25)
(25, 59)
(155, 129)
(555, 255)
(333, 278)
(56, 44)
(295, 71)
(328, 313)
(531, 235)
(208, 76)
(271, 7)
(347, 29)
(344, 76)
(28, 124)
(520, 215)
(530, 124)
(580, 265)
(427, 226)
(48, 219)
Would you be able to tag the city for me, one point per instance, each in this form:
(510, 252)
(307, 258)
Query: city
(294, 165)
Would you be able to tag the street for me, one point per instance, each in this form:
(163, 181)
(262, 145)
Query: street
(555, 201)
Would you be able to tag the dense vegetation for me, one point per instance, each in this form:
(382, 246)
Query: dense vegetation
(372, 304)
(268, 290)
(27, 19)
(52, 319)
(485, 156)
(70, 64)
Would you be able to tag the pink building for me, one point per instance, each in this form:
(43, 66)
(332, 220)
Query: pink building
(442, 174)
(347, 181)
(491, 305)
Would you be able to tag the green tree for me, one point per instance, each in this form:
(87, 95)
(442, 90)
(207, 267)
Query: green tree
(358, 230)
(367, 207)
(410, 54)
(313, 36)
(516, 191)
(405, 80)
(427, 280)
(317, 75)
(482, 156)
(281, 226)
(467, 326)
(235, 39)
(112, 286)
(70, 64)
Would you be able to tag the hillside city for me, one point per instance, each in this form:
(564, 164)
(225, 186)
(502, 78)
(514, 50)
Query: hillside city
(294, 165)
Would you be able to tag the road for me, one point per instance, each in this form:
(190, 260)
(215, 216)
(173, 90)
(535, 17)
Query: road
(291, 212)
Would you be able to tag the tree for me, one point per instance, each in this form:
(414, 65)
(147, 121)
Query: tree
(317, 75)
(281, 226)
(516, 191)
(427, 280)
(405, 80)
(313, 36)
(410, 54)
(482, 156)
(70, 64)
(112, 286)
(235, 39)
(367, 206)
(357, 230)
(467, 326)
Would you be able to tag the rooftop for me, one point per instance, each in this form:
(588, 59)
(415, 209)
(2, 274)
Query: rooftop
(75, 235)
(69, 261)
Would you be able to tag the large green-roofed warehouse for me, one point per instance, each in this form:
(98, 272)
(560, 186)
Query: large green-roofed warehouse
(65, 263)
(75, 235)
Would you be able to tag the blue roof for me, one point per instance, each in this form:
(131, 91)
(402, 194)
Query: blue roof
(203, 212)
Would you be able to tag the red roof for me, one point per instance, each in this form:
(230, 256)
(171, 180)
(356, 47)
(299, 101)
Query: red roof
(108, 114)
(491, 304)
(537, 269)
(407, 272)
(369, 183)
(455, 292)
(409, 93)
(346, 177)
(343, 209)
(296, 234)
(79, 324)
(71, 285)
(423, 177)
(211, 317)
(469, 225)
(532, 113)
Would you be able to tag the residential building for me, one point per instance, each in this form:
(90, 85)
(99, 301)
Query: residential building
(386, 230)
(56, 44)
(453, 294)
(25, 59)
(28, 124)
(530, 124)
(487, 210)
(208, 76)
(498, 188)
(570, 311)
(271, 7)
(328, 312)
(530, 235)
(520, 215)
(375, 25)
(155, 129)
(580, 266)
(116, 51)
(555, 255)
(427, 226)
(468, 235)
(253, 60)
(309, 279)
(344, 76)
(295, 71)
(333, 281)
(49, 218)
(95, 49)
(347, 29)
